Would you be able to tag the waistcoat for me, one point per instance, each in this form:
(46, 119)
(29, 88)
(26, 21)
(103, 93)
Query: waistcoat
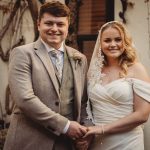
(66, 89)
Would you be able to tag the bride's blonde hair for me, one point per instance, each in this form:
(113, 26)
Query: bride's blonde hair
(129, 56)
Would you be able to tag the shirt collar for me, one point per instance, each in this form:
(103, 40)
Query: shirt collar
(49, 48)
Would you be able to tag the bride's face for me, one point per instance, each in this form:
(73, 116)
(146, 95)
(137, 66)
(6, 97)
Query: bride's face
(111, 43)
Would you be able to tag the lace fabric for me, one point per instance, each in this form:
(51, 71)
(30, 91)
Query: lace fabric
(94, 73)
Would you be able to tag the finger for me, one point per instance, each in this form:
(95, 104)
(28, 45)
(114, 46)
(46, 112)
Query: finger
(82, 143)
(88, 128)
(87, 134)
(79, 135)
(79, 140)
(83, 130)
(82, 147)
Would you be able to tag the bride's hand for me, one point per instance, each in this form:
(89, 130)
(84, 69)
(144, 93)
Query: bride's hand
(93, 130)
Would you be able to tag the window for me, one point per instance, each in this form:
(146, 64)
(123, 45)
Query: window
(92, 14)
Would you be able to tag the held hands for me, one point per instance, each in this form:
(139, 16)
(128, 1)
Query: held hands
(76, 130)
(84, 142)
(82, 135)
(94, 130)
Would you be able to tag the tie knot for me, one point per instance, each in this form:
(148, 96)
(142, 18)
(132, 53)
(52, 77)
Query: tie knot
(55, 53)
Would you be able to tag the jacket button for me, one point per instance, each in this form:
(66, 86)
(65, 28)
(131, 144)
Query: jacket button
(56, 103)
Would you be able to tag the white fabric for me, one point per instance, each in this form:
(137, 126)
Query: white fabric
(112, 102)
(66, 127)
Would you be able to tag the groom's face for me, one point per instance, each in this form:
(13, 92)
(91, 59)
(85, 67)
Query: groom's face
(53, 30)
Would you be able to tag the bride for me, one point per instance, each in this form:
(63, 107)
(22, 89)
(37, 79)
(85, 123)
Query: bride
(119, 92)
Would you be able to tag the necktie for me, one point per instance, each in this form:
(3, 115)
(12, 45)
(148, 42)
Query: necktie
(56, 54)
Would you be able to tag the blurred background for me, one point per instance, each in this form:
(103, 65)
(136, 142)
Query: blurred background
(18, 26)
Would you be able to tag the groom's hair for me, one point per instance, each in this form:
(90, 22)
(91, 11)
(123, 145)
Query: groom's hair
(56, 9)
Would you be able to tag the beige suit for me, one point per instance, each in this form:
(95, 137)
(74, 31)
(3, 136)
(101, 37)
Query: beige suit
(36, 120)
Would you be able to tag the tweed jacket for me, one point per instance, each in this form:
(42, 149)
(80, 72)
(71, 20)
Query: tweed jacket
(36, 121)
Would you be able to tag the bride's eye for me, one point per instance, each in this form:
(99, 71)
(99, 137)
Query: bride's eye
(107, 40)
(118, 39)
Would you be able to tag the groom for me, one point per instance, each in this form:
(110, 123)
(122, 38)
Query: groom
(47, 83)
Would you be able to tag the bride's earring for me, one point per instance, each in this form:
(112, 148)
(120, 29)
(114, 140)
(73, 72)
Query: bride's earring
(103, 57)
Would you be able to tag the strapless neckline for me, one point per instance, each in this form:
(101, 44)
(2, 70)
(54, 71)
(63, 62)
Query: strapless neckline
(112, 82)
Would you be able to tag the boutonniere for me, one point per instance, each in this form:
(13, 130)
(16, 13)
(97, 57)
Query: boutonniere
(77, 57)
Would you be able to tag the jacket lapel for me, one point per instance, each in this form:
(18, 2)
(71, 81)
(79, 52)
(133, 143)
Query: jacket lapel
(42, 53)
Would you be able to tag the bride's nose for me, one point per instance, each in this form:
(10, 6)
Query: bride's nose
(113, 44)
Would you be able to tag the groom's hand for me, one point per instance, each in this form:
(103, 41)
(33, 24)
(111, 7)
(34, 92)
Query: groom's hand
(76, 130)
(84, 143)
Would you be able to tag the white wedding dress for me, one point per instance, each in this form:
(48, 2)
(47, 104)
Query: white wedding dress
(112, 102)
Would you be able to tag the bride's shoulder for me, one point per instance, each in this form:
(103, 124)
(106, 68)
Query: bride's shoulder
(139, 71)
